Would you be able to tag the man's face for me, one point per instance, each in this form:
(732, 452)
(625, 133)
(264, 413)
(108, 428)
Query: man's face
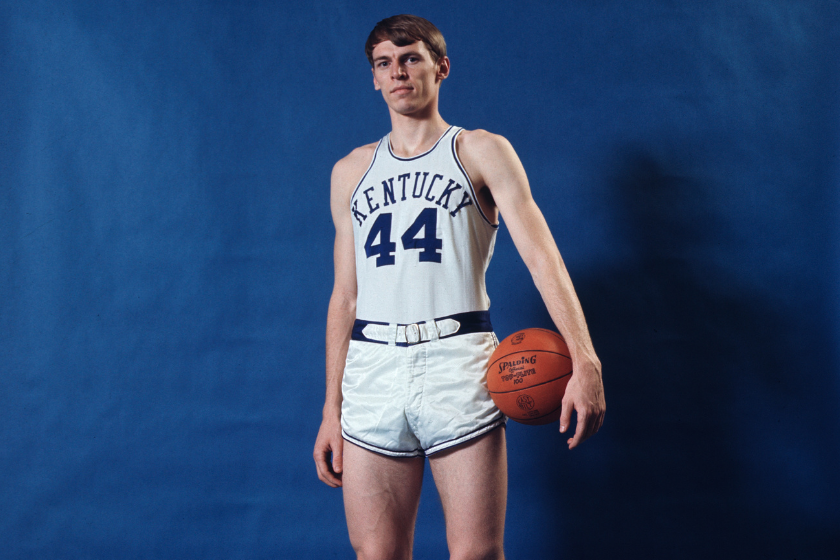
(407, 76)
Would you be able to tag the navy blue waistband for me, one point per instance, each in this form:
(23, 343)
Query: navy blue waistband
(470, 322)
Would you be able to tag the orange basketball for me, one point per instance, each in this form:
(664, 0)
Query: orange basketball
(528, 374)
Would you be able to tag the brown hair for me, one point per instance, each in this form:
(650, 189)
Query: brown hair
(404, 30)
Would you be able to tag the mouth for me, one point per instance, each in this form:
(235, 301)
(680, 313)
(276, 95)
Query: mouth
(402, 89)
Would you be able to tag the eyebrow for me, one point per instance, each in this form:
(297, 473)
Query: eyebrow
(403, 55)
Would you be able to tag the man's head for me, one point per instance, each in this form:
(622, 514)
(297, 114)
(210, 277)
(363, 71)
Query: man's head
(404, 30)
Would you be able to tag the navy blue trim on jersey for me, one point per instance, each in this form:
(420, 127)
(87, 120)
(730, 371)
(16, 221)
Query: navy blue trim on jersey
(469, 182)
(471, 322)
(359, 184)
(427, 152)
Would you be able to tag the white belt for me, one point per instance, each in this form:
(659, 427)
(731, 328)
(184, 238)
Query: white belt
(413, 333)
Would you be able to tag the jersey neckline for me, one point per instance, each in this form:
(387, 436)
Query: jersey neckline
(427, 152)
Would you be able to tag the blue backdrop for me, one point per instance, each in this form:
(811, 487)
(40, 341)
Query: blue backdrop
(165, 266)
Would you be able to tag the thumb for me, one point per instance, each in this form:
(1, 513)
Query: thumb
(338, 456)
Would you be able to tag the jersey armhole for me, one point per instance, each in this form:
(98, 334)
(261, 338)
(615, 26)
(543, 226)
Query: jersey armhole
(469, 181)
(359, 184)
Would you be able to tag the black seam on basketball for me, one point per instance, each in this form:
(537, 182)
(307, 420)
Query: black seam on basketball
(526, 351)
(555, 333)
(530, 386)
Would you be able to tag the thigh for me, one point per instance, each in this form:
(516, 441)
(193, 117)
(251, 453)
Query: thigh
(456, 405)
(381, 495)
(373, 390)
(472, 482)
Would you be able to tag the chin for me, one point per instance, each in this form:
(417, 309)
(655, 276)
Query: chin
(404, 109)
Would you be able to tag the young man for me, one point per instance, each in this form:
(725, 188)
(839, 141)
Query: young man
(408, 331)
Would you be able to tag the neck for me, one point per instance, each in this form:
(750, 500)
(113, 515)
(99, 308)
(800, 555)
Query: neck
(414, 134)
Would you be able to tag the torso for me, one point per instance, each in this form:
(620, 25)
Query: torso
(423, 234)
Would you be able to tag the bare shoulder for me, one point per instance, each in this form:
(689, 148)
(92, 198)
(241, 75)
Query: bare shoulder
(486, 155)
(349, 169)
(479, 143)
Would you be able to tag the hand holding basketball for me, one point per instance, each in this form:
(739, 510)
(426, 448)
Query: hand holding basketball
(584, 395)
(531, 380)
(528, 374)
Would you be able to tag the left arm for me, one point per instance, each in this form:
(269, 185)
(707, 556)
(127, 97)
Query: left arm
(491, 162)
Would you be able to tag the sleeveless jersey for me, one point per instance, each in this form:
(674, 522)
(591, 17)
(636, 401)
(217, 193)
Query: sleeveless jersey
(422, 241)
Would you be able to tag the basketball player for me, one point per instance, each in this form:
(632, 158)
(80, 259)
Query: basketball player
(408, 329)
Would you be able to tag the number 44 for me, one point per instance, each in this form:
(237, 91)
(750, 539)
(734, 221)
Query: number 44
(384, 250)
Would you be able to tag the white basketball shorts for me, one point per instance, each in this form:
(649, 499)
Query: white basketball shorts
(413, 390)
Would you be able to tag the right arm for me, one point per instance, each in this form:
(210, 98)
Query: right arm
(340, 316)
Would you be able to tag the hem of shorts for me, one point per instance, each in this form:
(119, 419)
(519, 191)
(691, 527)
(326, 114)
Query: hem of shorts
(382, 450)
(466, 437)
(433, 449)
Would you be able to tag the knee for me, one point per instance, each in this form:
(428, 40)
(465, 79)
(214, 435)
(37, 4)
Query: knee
(484, 551)
(382, 550)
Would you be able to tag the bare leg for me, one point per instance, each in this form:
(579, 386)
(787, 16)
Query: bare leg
(381, 495)
(472, 482)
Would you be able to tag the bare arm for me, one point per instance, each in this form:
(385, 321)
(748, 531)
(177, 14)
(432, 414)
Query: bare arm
(340, 317)
(492, 162)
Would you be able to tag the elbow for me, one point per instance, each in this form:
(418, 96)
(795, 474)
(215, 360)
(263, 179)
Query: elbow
(344, 300)
(544, 267)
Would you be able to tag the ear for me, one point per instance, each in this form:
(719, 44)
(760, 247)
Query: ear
(443, 68)
(376, 85)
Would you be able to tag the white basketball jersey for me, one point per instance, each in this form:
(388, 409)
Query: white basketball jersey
(422, 241)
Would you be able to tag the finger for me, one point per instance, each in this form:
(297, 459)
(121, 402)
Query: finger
(581, 430)
(319, 468)
(599, 423)
(595, 424)
(591, 425)
(327, 477)
(566, 415)
(322, 466)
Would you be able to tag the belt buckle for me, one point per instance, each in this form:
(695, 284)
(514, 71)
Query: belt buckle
(412, 333)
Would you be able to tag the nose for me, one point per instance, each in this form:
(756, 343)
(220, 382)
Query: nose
(397, 71)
